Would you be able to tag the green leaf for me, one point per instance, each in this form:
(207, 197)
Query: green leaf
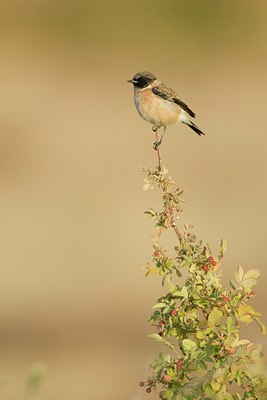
(165, 357)
(223, 247)
(246, 318)
(246, 280)
(261, 325)
(184, 292)
(157, 367)
(226, 396)
(237, 396)
(214, 317)
(169, 264)
(181, 293)
(200, 335)
(250, 279)
(202, 364)
(151, 212)
(171, 286)
(178, 273)
(233, 284)
(189, 346)
(209, 391)
(230, 322)
(158, 338)
(242, 342)
(248, 284)
(168, 394)
(239, 274)
(166, 310)
(256, 352)
(218, 373)
(179, 397)
(233, 372)
(252, 274)
(215, 385)
(246, 313)
(159, 305)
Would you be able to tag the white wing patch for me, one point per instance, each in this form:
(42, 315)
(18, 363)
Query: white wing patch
(183, 117)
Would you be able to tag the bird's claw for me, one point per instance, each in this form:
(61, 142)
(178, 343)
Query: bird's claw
(156, 145)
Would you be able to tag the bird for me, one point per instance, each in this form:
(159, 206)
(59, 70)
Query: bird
(159, 105)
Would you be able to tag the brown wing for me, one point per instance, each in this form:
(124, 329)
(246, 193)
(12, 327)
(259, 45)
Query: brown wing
(167, 93)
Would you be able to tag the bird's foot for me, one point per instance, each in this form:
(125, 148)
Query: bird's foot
(155, 128)
(157, 144)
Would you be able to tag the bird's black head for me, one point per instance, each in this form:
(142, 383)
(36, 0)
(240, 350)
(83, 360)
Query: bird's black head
(142, 79)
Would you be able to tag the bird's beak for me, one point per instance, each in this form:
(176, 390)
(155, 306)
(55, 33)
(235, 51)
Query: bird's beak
(132, 81)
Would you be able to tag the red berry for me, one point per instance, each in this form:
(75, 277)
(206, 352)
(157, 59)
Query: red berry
(210, 259)
(141, 384)
(213, 263)
(225, 298)
(179, 365)
(156, 253)
(205, 267)
(174, 312)
(161, 323)
(148, 390)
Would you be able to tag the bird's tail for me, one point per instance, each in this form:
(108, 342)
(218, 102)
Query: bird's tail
(194, 127)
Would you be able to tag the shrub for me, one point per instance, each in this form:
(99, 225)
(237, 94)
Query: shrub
(198, 319)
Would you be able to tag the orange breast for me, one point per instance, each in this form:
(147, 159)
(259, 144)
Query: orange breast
(155, 109)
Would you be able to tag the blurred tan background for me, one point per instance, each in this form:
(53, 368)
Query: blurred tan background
(73, 232)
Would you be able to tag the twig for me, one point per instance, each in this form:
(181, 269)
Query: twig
(176, 230)
(174, 226)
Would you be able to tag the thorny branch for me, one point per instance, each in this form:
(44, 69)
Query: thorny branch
(173, 224)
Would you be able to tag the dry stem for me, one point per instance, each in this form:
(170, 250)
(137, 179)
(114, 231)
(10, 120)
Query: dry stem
(174, 226)
(176, 230)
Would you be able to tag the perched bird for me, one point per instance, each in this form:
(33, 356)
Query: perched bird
(159, 104)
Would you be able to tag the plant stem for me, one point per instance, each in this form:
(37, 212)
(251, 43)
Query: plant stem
(174, 226)
(176, 230)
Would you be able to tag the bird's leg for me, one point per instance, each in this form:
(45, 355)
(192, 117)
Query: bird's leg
(156, 145)
(158, 142)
